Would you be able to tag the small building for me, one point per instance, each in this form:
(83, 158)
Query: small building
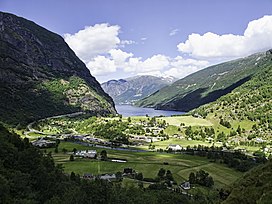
(175, 147)
(88, 176)
(108, 177)
(186, 185)
(127, 171)
(86, 154)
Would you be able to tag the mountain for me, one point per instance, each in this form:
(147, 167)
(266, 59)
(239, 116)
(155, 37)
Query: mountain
(130, 90)
(41, 76)
(254, 187)
(252, 101)
(206, 85)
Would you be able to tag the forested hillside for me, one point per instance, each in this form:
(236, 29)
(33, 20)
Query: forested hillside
(206, 85)
(251, 101)
(254, 187)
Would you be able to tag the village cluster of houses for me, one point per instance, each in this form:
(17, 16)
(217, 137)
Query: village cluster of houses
(147, 139)
(109, 177)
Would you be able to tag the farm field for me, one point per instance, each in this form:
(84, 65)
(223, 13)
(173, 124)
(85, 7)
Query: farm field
(187, 120)
(148, 163)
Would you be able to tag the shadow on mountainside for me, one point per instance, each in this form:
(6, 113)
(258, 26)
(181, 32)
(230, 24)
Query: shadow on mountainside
(195, 99)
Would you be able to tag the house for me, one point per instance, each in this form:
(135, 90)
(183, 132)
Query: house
(186, 185)
(175, 147)
(128, 170)
(88, 176)
(108, 177)
(43, 143)
(86, 154)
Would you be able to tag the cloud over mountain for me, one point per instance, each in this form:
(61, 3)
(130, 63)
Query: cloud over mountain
(102, 50)
(256, 37)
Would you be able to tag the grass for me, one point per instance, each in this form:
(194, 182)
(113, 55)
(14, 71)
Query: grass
(181, 142)
(187, 120)
(148, 163)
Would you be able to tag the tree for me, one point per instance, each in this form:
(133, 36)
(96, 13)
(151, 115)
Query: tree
(139, 176)
(239, 130)
(161, 173)
(104, 155)
(129, 119)
(192, 178)
(119, 176)
(73, 176)
(209, 181)
(56, 150)
(72, 157)
(169, 175)
(74, 150)
(221, 137)
(189, 131)
(64, 150)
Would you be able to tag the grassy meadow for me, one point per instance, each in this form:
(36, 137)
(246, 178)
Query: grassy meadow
(148, 163)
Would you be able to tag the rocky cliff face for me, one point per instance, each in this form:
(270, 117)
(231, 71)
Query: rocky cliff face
(41, 76)
(130, 90)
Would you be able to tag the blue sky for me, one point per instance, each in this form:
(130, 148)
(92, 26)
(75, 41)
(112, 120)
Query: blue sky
(121, 38)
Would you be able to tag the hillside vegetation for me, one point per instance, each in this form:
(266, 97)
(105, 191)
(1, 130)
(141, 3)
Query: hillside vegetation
(41, 76)
(206, 85)
(250, 102)
(254, 187)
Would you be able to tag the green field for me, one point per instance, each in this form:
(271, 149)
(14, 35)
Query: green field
(182, 142)
(148, 163)
(187, 120)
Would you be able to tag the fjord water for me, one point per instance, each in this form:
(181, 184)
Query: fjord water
(129, 110)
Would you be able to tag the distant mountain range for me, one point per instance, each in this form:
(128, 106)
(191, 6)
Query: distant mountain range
(130, 90)
(206, 85)
(41, 76)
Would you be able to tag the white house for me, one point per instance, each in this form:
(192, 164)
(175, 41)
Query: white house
(186, 185)
(108, 177)
(175, 147)
(86, 153)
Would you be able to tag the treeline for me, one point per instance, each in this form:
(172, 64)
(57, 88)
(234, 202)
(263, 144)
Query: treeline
(233, 159)
(29, 176)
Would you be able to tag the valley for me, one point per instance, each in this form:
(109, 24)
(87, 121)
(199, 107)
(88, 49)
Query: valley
(66, 138)
(144, 142)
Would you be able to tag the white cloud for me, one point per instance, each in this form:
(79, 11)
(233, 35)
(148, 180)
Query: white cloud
(101, 65)
(152, 64)
(174, 32)
(127, 42)
(180, 67)
(143, 38)
(119, 57)
(155, 63)
(256, 37)
(99, 47)
(93, 40)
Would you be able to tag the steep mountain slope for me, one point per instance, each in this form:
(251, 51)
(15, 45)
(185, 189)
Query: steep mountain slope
(130, 90)
(254, 187)
(205, 86)
(251, 101)
(41, 76)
